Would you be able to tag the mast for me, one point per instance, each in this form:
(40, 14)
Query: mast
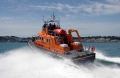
(53, 16)
(59, 21)
(43, 19)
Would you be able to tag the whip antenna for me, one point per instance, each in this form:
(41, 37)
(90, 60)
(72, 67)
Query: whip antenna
(43, 18)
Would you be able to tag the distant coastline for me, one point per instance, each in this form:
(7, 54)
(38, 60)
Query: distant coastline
(97, 39)
(13, 39)
(100, 39)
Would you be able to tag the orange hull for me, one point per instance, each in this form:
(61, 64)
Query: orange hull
(76, 59)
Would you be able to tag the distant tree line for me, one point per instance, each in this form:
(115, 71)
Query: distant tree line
(106, 37)
(12, 39)
(110, 37)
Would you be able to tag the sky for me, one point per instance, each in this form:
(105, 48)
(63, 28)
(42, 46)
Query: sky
(24, 18)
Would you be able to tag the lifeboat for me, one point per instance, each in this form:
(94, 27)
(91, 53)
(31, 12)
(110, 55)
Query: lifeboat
(58, 42)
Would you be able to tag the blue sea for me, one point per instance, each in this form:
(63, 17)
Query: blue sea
(17, 60)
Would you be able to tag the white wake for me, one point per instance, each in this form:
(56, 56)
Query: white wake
(25, 63)
(101, 56)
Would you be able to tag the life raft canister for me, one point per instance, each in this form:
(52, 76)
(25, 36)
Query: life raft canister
(92, 48)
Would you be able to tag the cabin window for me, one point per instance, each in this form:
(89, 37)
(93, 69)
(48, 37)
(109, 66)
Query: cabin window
(50, 40)
(41, 38)
(47, 40)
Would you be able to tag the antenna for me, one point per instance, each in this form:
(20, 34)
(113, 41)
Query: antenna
(43, 18)
(53, 15)
(59, 21)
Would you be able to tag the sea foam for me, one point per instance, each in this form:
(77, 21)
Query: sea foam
(26, 63)
(100, 55)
